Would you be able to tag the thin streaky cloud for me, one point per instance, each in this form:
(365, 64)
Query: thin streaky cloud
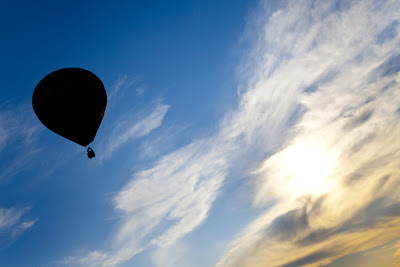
(118, 84)
(19, 131)
(22, 227)
(13, 224)
(311, 94)
(9, 217)
(334, 184)
(175, 195)
(17, 125)
(130, 129)
(169, 256)
(125, 82)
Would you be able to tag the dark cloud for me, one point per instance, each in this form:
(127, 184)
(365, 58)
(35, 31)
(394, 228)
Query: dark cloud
(350, 116)
(295, 223)
(380, 210)
(309, 259)
(317, 236)
(358, 120)
(289, 225)
(295, 226)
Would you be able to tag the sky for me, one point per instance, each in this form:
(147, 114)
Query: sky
(237, 133)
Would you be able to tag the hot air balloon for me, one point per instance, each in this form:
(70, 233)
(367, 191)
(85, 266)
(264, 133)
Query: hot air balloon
(71, 102)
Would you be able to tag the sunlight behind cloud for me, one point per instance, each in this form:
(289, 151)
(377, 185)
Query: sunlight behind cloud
(301, 168)
(317, 128)
(334, 183)
(308, 165)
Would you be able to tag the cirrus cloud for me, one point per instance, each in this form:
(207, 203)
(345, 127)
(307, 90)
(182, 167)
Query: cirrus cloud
(334, 183)
(319, 108)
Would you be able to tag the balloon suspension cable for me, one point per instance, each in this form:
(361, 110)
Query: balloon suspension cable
(90, 153)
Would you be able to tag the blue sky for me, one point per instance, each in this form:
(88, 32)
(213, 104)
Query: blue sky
(237, 133)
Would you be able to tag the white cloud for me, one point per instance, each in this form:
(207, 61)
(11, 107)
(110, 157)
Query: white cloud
(118, 84)
(169, 256)
(173, 197)
(12, 224)
(334, 182)
(9, 217)
(17, 125)
(20, 130)
(18, 230)
(124, 82)
(93, 259)
(3, 137)
(170, 199)
(161, 143)
(310, 92)
(128, 129)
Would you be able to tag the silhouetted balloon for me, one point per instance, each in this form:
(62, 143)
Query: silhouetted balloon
(71, 102)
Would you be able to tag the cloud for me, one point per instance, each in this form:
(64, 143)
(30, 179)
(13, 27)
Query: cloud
(169, 256)
(94, 258)
(118, 84)
(125, 82)
(167, 201)
(9, 217)
(334, 181)
(163, 142)
(317, 126)
(19, 131)
(12, 225)
(128, 129)
(17, 125)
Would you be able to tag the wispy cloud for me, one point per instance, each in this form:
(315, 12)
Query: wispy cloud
(17, 125)
(118, 84)
(167, 201)
(130, 128)
(94, 258)
(12, 224)
(169, 256)
(125, 82)
(19, 130)
(319, 108)
(162, 143)
(335, 182)
(18, 134)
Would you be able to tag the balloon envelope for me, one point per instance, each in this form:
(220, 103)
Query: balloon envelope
(71, 102)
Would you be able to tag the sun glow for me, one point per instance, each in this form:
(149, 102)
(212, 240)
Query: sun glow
(308, 166)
